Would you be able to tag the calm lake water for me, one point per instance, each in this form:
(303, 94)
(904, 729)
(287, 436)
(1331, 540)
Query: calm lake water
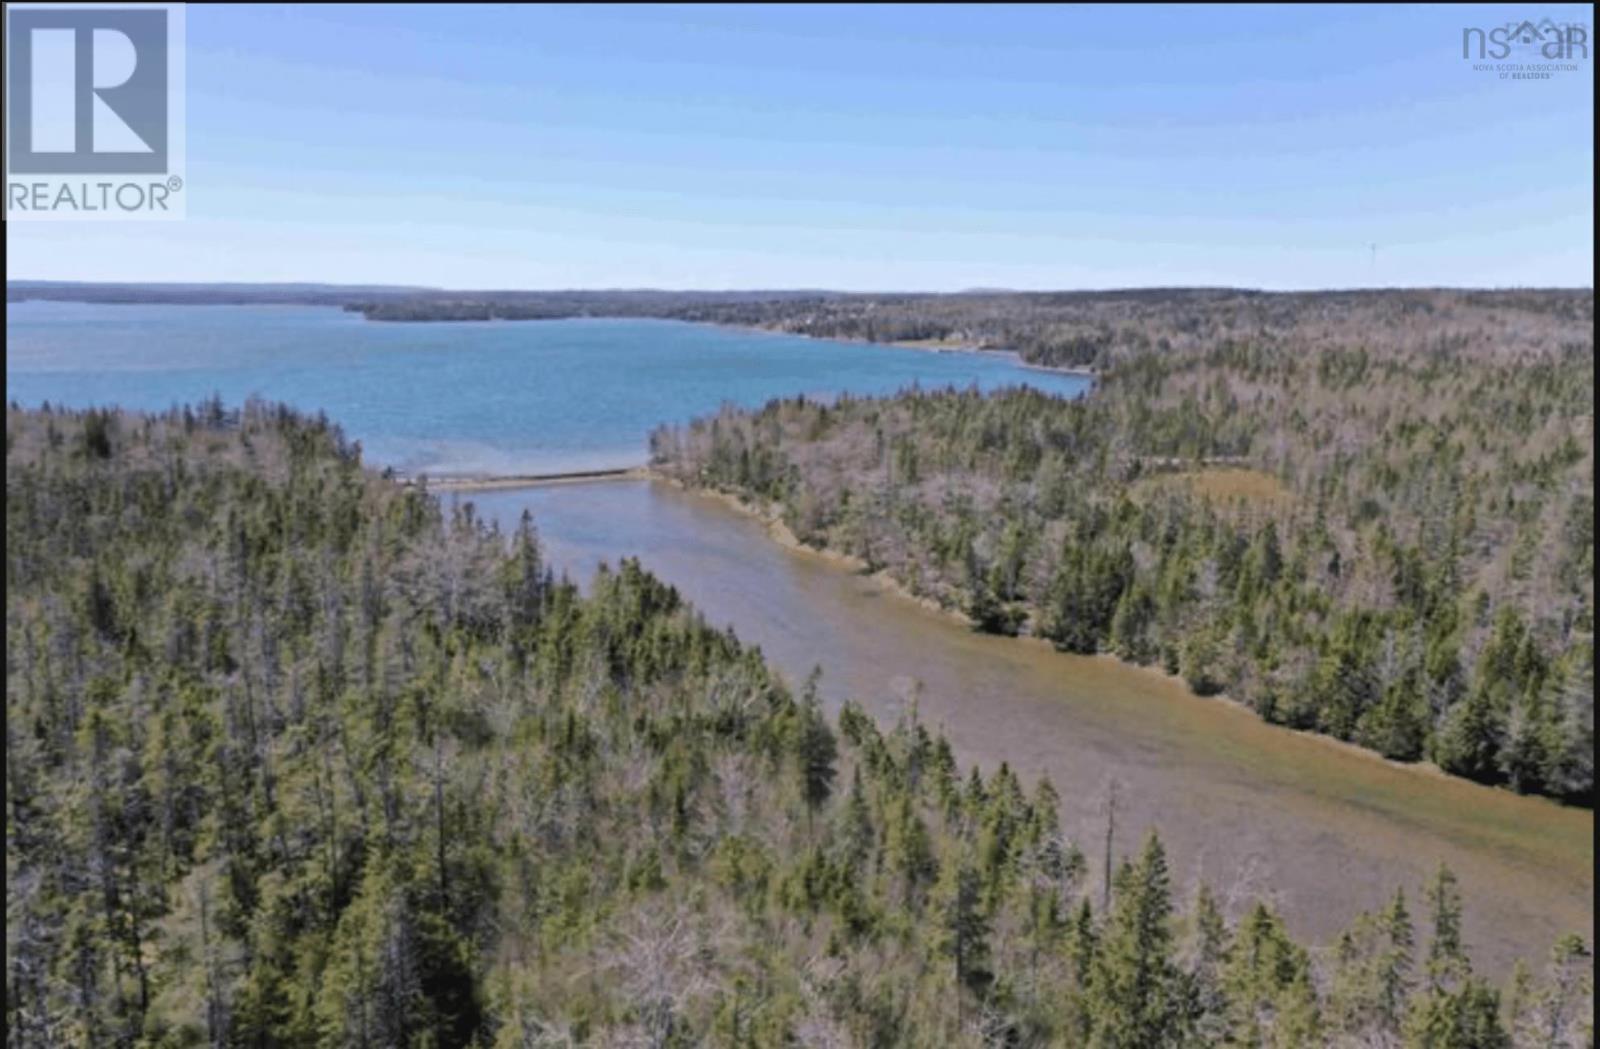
(1323, 829)
(458, 398)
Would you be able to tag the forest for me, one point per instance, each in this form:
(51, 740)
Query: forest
(1093, 329)
(296, 755)
(1371, 519)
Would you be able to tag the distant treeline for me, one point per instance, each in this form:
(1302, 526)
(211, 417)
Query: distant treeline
(1368, 516)
(1073, 329)
(296, 756)
(558, 305)
(1062, 329)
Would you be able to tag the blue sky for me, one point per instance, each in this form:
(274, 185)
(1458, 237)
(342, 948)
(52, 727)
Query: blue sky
(869, 148)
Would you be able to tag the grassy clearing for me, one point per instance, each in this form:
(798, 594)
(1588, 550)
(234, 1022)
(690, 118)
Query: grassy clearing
(1225, 485)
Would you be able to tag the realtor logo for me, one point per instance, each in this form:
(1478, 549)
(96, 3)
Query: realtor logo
(93, 91)
(1546, 40)
(88, 91)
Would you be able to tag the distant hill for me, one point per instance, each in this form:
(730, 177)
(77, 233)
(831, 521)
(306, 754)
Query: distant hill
(201, 293)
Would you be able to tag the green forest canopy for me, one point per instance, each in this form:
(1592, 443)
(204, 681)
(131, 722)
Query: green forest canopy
(296, 756)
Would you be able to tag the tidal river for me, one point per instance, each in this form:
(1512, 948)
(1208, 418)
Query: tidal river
(1322, 828)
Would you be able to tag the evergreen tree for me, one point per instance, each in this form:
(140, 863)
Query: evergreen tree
(1133, 1002)
(815, 751)
(965, 926)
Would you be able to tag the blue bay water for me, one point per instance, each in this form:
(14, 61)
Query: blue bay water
(459, 398)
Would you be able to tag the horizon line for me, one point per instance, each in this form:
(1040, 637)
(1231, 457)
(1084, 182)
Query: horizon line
(787, 290)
